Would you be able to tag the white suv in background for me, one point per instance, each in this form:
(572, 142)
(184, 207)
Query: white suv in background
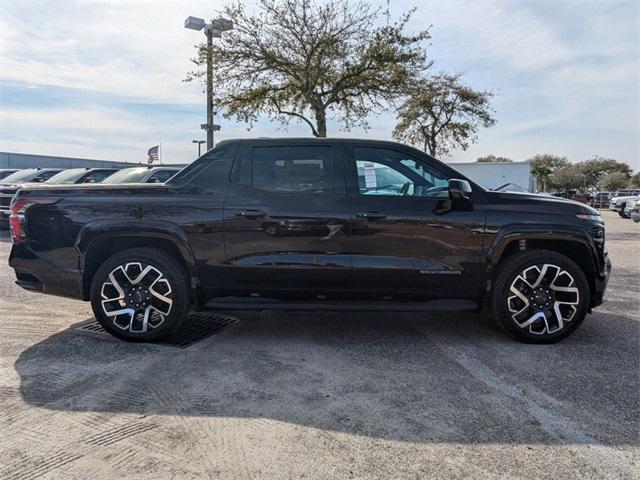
(620, 199)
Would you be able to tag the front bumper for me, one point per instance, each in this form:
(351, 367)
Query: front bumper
(600, 282)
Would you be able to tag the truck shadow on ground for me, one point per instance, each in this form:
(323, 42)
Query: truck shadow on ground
(407, 377)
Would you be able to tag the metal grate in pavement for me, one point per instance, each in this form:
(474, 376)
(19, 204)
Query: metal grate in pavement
(195, 328)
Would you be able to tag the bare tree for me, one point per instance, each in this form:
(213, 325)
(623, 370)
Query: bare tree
(296, 59)
(442, 114)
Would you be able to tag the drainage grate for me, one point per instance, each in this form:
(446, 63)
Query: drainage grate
(196, 327)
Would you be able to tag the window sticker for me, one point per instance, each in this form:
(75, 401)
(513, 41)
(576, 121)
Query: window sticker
(370, 175)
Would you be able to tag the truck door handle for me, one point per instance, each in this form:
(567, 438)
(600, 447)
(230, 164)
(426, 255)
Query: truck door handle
(371, 215)
(250, 213)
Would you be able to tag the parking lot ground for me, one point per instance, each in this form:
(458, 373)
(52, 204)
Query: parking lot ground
(324, 395)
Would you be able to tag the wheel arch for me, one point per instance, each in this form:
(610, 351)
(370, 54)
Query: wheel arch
(570, 242)
(98, 241)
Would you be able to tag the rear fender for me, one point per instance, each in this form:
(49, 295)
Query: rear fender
(107, 229)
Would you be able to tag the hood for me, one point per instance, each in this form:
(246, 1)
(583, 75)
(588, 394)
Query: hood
(530, 202)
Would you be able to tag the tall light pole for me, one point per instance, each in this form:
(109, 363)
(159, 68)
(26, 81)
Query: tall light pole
(199, 142)
(211, 30)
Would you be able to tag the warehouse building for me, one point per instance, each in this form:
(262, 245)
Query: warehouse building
(492, 175)
(27, 160)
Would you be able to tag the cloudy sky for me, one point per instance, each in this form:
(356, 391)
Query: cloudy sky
(104, 79)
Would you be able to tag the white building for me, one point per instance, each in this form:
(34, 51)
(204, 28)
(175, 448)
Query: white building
(492, 175)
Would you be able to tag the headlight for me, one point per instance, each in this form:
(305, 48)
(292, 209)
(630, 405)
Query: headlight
(589, 216)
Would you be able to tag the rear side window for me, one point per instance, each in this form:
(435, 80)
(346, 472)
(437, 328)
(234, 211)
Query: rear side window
(44, 176)
(161, 177)
(97, 176)
(292, 169)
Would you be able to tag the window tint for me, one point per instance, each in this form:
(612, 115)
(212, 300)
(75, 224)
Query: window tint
(43, 177)
(97, 176)
(392, 173)
(161, 177)
(300, 169)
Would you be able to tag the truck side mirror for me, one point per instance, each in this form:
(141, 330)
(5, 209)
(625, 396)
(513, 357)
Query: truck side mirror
(459, 198)
(459, 189)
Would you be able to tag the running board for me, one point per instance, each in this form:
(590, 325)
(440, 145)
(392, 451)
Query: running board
(243, 303)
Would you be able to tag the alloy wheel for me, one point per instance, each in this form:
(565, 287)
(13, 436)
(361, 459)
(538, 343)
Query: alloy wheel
(136, 297)
(542, 298)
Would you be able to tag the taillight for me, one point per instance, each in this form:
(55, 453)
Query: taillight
(16, 219)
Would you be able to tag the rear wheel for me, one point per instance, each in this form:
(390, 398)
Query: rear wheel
(540, 296)
(621, 211)
(140, 294)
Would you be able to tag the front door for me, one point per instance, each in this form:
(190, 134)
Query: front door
(284, 222)
(403, 246)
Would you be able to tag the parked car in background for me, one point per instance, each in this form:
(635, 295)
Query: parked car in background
(635, 214)
(75, 176)
(304, 224)
(11, 183)
(630, 207)
(143, 175)
(572, 195)
(5, 172)
(599, 199)
(620, 199)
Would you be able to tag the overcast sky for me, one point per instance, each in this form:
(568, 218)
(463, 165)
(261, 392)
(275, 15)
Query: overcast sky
(104, 79)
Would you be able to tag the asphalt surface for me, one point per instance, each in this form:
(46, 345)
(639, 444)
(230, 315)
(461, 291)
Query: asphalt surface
(313, 395)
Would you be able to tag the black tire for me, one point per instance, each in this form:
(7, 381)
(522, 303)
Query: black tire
(163, 300)
(621, 211)
(542, 303)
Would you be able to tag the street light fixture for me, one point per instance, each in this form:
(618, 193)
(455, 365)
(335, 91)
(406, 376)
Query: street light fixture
(211, 30)
(199, 142)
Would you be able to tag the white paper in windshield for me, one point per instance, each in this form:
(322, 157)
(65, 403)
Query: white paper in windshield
(370, 176)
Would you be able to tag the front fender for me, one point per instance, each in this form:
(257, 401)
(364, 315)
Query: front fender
(516, 232)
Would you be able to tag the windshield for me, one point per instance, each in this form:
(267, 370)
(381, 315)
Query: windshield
(21, 176)
(67, 177)
(128, 175)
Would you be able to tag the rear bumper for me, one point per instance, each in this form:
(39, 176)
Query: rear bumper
(37, 274)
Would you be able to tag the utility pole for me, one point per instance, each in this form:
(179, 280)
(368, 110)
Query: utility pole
(211, 30)
(199, 142)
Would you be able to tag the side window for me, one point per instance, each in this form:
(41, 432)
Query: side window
(44, 176)
(161, 177)
(96, 177)
(294, 169)
(393, 173)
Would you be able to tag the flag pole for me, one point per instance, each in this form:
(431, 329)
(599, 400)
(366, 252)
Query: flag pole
(160, 153)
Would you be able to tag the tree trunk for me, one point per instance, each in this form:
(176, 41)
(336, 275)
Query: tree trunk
(321, 122)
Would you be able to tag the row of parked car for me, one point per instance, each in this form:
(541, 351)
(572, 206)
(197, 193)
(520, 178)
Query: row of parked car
(625, 202)
(11, 180)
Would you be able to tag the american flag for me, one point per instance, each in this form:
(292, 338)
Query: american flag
(152, 154)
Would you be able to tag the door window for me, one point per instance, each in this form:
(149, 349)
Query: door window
(295, 169)
(393, 173)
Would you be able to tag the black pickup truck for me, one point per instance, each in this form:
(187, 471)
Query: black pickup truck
(311, 224)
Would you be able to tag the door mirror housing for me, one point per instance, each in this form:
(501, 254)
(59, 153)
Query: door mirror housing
(459, 189)
(459, 198)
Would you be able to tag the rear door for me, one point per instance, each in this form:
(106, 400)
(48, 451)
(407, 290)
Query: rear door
(403, 244)
(285, 221)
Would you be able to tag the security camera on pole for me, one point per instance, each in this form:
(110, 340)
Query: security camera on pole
(211, 30)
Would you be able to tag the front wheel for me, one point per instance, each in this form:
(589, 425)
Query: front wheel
(140, 295)
(540, 296)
